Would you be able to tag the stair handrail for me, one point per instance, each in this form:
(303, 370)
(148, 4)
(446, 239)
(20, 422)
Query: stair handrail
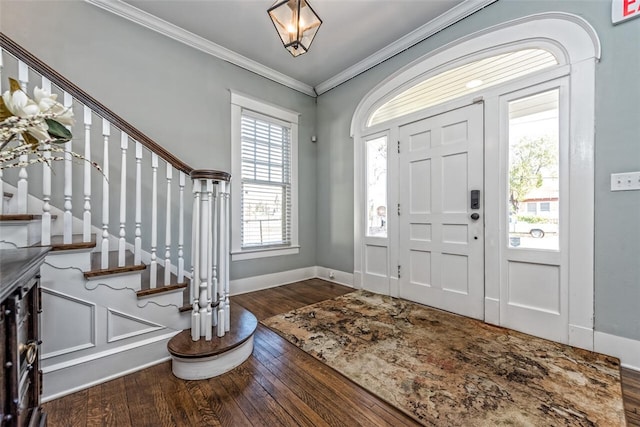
(86, 99)
(210, 240)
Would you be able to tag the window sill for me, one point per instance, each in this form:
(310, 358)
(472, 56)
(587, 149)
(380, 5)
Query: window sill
(263, 253)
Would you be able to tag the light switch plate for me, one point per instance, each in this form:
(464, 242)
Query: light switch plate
(625, 181)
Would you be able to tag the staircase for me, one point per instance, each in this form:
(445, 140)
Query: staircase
(136, 275)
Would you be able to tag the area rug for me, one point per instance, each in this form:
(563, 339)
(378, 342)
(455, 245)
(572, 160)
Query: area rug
(448, 370)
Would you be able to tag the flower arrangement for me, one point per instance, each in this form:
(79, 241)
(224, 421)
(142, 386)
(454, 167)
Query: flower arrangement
(32, 129)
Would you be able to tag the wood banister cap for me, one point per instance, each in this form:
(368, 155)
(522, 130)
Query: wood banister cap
(210, 174)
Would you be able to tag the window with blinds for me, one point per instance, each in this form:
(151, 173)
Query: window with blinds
(265, 205)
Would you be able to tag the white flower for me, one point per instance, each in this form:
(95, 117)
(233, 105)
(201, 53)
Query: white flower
(19, 104)
(47, 104)
(44, 99)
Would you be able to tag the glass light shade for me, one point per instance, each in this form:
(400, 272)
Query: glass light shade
(296, 24)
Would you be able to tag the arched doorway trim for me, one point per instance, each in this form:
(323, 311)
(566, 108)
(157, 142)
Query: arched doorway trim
(573, 35)
(577, 46)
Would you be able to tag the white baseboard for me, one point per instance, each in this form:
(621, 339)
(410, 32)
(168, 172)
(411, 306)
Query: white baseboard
(625, 349)
(266, 281)
(581, 336)
(492, 311)
(335, 276)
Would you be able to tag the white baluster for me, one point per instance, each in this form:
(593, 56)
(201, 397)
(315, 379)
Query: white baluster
(223, 265)
(23, 176)
(202, 295)
(154, 220)
(206, 265)
(106, 133)
(225, 254)
(124, 145)
(167, 234)
(182, 177)
(195, 262)
(137, 247)
(45, 236)
(86, 215)
(68, 181)
(218, 255)
(215, 239)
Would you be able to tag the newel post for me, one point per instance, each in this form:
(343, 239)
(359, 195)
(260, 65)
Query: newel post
(210, 254)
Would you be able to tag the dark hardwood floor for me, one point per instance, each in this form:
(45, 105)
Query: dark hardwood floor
(279, 385)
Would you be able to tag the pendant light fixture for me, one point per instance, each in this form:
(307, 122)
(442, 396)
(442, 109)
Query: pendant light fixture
(296, 24)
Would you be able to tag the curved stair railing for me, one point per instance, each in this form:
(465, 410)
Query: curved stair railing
(143, 184)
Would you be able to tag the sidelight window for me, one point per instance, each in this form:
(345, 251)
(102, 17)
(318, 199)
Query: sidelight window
(377, 187)
(534, 171)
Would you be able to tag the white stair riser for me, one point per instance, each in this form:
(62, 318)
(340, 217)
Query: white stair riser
(203, 368)
(130, 280)
(20, 233)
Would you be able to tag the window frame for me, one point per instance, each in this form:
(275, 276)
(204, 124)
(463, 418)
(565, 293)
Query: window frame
(239, 103)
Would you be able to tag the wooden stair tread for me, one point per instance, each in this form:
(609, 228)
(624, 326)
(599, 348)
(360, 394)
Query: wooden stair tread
(23, 217)
(97, 270)
(57, 243)
(243, 325)
(160, 289)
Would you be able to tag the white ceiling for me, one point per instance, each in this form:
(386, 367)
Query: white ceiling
(355, 34)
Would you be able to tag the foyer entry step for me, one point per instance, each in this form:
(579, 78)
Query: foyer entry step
(197, 360)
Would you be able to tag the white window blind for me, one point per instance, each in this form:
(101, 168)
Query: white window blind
(266, 182)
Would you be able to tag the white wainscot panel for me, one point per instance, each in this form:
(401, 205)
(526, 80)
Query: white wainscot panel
(420, 267)
(420, 141)
(454, 183)
(420, 182)
(455, 273)
(534, 286)
(68, 324)
(456, 132)
(455, 233)
(376, 258)
(121, 326)
(421, 232)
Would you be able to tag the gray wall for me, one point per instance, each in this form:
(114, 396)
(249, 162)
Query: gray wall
(617, 235)
(179, 97)
(173, 93)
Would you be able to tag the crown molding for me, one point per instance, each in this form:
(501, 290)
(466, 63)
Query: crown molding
(124, 10)
(443, 21)
(161, 26)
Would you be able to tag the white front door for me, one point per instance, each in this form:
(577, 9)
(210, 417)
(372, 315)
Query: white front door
(441, 245)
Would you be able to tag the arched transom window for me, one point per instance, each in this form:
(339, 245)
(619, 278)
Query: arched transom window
(463, 80)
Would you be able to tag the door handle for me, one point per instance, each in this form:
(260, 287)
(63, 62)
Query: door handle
(475, 216)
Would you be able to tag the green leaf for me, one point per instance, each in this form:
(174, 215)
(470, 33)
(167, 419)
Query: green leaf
(58, 132)
(14, 85)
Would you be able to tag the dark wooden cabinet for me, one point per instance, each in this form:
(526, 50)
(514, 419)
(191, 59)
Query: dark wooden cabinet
(20, 305)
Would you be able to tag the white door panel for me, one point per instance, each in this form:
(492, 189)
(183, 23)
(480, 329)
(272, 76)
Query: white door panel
(441, 247)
